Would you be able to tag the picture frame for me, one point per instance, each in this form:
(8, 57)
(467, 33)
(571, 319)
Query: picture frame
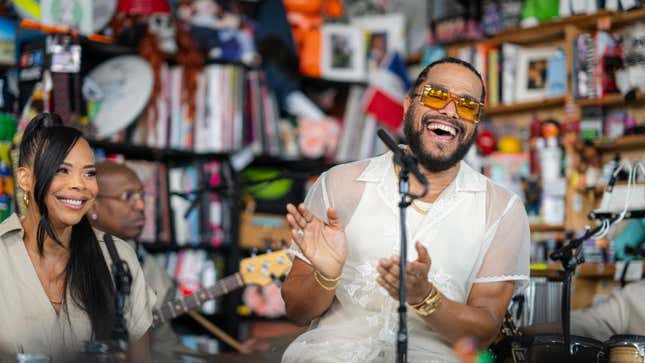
(383, 34)
(342, 53)
(76, 14)
(531, 73)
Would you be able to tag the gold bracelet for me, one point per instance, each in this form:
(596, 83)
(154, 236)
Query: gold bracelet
(328, 288)
(430, 294)
(429, 304)
(325, 278)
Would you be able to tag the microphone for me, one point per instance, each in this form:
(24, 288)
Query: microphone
(407, 161)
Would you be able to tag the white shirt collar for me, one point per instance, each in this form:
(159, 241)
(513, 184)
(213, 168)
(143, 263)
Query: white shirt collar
(467, 180)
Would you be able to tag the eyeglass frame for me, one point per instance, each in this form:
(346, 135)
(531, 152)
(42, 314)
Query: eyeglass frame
(453, 98)
(127, 196)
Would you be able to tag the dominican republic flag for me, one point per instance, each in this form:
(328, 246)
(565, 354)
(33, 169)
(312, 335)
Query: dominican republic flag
(387, 86)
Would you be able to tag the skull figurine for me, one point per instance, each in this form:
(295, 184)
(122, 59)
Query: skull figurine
(163, 27)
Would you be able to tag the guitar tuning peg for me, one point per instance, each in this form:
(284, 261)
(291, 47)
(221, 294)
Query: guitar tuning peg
(254, 252)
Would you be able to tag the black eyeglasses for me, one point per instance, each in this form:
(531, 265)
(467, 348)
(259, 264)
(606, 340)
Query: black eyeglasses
(129, 196)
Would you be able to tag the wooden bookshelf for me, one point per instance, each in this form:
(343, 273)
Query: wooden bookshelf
(524, 106)
(628, 142)
(614, 99)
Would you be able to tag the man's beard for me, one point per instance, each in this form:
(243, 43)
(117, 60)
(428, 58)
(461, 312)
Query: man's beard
(428, 161)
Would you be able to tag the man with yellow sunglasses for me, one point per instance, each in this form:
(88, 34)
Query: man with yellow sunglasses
(469, 240)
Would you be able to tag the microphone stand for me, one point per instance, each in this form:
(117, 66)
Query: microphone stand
(403, 160)
(408, 164)
(115, 349)
(570, 256)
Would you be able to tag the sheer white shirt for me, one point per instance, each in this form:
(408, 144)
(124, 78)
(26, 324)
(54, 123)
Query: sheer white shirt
(475, 232)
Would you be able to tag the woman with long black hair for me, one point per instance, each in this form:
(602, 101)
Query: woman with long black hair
(56, 286)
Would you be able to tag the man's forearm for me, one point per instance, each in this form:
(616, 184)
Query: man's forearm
(453, 320)
(305, 299)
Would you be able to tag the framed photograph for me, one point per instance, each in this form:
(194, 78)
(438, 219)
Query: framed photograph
(531, 73)
(77, 14)
(383, 34)
(343, 53)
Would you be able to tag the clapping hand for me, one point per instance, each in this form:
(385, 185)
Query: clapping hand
(324, 244)
(416, 282)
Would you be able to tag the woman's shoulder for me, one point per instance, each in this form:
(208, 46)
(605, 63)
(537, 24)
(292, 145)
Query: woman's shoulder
(10, 224)
(123, 248)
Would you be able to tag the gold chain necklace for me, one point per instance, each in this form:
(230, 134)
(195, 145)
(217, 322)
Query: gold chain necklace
(397, 170)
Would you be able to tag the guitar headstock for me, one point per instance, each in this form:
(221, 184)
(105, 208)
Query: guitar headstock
(264, 269)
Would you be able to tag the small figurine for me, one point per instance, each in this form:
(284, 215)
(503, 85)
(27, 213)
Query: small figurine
(221, 35)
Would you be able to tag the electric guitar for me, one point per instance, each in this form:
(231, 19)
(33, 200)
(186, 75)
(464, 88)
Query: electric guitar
(259, 270)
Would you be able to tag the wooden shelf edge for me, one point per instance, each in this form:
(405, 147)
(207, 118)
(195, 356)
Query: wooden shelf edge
(551, 270)
(584, 271)
(524, 106)
(627, 142)
(554, 27)
(614, 99)
(547, 228)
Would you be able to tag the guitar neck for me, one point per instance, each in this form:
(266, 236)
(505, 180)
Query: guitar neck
(180, 306)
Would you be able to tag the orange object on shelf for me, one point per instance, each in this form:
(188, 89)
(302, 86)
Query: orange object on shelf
(333, 8)
(60, 29)
(306, 17)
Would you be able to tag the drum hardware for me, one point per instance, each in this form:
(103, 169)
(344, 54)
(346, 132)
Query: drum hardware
(570, 255)
(626, 349)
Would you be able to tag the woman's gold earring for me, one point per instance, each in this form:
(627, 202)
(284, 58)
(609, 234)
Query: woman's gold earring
(25, 197)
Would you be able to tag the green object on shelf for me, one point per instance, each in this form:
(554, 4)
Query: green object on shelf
(272, 189)
(542, 10)
(8, 126)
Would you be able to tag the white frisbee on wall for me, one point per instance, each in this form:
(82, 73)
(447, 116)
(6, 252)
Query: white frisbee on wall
(120, 89)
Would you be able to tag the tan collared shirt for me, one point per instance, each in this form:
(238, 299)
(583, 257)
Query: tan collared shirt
(29, 322)
(623, 313)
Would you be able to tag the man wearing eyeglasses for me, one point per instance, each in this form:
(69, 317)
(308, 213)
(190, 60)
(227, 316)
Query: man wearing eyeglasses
(468, 240)
(119, 210)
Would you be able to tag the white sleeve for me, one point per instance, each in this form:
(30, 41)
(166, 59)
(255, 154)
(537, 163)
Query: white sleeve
(507, 257)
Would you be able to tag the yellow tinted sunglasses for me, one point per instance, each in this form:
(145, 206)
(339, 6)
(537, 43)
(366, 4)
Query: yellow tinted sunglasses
(437, 98)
